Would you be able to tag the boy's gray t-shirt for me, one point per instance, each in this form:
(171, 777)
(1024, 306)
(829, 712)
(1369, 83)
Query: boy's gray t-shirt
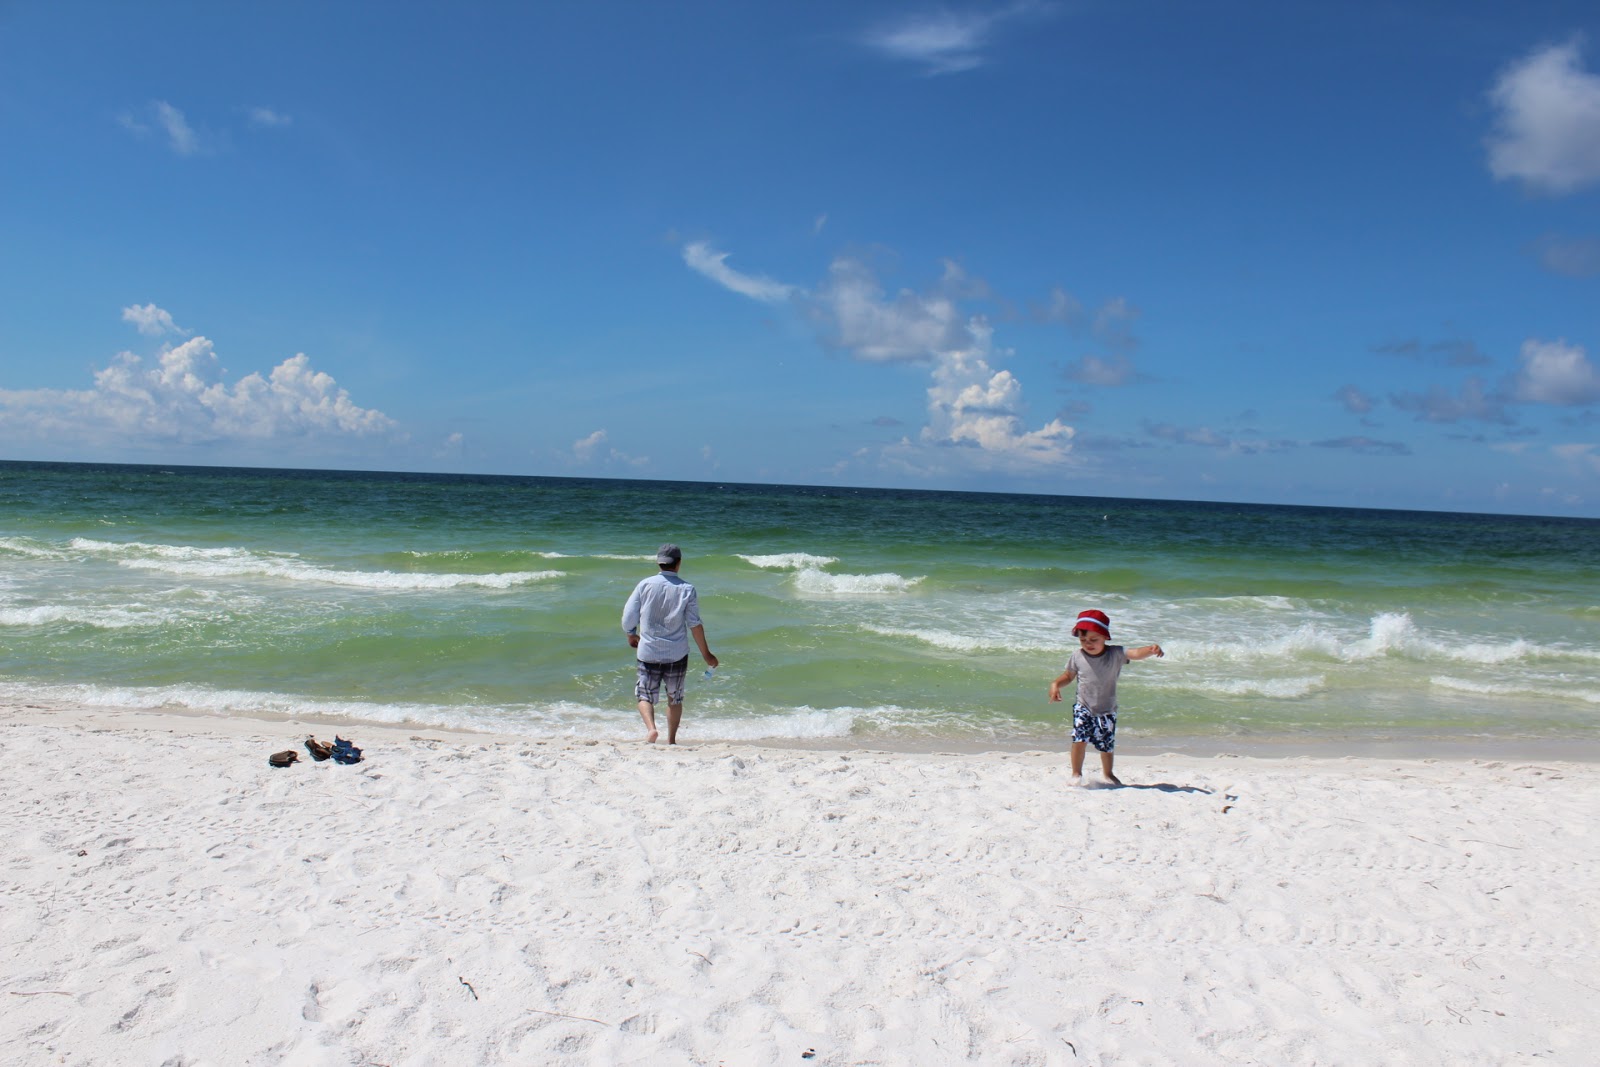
(1097, 677)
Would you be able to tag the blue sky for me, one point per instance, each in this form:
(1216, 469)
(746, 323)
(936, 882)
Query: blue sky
(1292, 252)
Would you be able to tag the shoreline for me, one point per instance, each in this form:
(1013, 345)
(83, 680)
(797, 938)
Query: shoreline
(1131, 744)
(470, 898)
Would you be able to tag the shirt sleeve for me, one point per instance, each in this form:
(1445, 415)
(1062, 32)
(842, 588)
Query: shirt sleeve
(630, 612)
(691, 609)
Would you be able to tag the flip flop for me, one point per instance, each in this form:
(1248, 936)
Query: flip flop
(344, 751)
(320, 750)
(284, 758)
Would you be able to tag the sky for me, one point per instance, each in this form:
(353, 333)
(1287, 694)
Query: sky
(1307, 253)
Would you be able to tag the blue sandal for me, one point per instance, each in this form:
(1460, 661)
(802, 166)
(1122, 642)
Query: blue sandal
(344, 751)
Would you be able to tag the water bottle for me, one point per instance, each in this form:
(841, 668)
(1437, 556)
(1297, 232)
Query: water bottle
(709, 672)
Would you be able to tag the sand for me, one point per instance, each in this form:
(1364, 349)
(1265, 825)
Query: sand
(166, 897)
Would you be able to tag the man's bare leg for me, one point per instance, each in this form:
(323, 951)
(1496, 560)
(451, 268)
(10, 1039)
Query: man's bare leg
(674, 716)
(647, 712)
(1106, 759)
(1077, 762)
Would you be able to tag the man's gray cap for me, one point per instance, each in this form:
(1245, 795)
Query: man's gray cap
(669, 553)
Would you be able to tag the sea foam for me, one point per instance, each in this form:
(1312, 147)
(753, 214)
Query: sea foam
(193, 562)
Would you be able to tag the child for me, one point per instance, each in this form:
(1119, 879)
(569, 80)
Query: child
(1094, 713)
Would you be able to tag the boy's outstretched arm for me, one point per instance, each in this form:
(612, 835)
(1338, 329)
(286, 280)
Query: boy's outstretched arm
(1055, 687)
(1146, 652)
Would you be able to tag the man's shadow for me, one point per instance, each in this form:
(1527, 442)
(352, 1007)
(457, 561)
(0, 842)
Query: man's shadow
(1165, 787)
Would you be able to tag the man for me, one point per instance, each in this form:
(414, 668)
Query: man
(661, 613)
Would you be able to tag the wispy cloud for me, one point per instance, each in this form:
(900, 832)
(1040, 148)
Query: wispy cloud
(179, 397)
(267, 117)
(713, 264)
(1547, 122)
(1472, 402)
(1451, 352)
(1574, 257)
(1206, 437)
(161, 117)
(1354, 400)
(944, 42)
(1366, 446)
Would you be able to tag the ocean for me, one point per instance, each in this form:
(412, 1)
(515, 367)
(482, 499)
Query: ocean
(874, 617)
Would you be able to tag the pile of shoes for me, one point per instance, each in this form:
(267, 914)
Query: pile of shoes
(341, 751)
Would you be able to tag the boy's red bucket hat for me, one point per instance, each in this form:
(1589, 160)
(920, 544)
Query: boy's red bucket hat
(1099, 620)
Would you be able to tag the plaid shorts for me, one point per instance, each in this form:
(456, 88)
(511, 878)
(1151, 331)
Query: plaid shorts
(1097, 730)
(653, 675)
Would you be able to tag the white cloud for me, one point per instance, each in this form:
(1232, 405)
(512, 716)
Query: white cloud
(151, 320)
(180, 137)
(584, 448)
(713, 264)
(854, 313)
(267, 117)
(972, 404)
(180, 398)
(1547, 126)
(593, 449)
(1554, 372)
(975, 412)
(942, 42)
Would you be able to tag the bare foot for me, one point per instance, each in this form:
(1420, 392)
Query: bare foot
(650, 738)
(1076, 780)
(1112, 779)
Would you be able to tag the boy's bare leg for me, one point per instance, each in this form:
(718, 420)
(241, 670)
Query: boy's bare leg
(1106, 759)
(647, 712)
(1077, 761)
(674, 716)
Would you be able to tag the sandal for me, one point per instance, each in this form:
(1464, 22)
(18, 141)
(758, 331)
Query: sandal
(344, 751)
(284, 758)
(320, 750)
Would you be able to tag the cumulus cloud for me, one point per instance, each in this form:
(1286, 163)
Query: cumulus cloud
(976, 415)
(179, 397)
(853, 312)
(1554, 372)
(151, 320)
(713, 264)
(943, 42)
(1547, 122)
(595, 449)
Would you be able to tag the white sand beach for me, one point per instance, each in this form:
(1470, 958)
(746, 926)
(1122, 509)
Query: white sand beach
(169, 898)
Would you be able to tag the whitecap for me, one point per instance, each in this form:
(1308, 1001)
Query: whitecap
(194, 562)
(789, 561)
(814, 582)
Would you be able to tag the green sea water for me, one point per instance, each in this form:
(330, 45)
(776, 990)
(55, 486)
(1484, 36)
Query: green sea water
(492, 603)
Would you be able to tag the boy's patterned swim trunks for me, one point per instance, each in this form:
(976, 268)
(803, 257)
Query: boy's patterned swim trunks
(1097, 730)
